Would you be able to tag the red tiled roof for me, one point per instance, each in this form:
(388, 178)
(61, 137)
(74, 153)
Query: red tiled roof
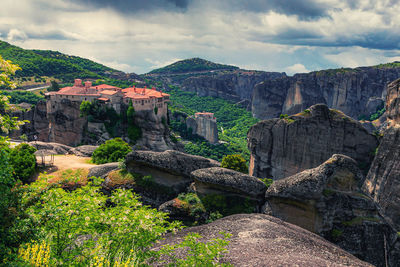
(142, 93)
(104, 86)
(108, 92)
(103, 99)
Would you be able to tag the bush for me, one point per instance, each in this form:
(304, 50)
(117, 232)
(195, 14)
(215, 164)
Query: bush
(85, 108)
(111, 151)
(23, 161)
(134, 133)
(235, 162)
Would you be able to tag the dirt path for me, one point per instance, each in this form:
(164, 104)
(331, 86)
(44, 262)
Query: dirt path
(65, 162)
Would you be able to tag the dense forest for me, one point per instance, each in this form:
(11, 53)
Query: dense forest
(233, 123)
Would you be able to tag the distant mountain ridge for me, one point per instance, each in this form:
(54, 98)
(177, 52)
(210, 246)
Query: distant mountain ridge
(192, 65)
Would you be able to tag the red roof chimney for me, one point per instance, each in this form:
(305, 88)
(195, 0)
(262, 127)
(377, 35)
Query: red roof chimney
(88, 84)
(78, 83)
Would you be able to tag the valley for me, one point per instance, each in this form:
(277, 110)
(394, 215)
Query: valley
(310, 158)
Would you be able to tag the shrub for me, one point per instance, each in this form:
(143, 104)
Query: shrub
(235, 162)
(85, 108)
(23, 161)
(111, 151)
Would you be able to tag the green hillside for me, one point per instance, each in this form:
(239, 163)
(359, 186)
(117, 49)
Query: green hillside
(49, 63)
(192, 64)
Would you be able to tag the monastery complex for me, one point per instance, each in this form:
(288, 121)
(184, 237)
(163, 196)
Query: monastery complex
(142, 98)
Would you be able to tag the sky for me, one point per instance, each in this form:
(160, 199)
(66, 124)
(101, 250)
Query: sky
(292, 36)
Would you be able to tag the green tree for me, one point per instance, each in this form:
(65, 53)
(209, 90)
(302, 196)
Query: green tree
(235, 162)
(54, 87)
(111, 151)
(23, 161)
(85, 108)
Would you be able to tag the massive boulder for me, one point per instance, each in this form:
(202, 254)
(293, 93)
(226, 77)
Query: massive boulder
(261, 240)
(327, 200)
(60, 149)
(65, 123)
(169, 168)
(355, 92)
(84, 151)
(218, 180)
(155, 131)
(283, 147)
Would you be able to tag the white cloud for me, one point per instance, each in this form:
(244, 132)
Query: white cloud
(296, 68)
(253, 39)
(16, 35)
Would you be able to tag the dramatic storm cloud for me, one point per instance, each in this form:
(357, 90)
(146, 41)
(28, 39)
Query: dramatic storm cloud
(275, 35)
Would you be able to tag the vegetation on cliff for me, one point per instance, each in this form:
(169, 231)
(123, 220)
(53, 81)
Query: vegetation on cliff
(18, 97)
(233, 123)
(192, 65)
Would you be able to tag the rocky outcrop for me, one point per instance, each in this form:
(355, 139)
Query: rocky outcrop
(65, 124)
(353, 91)
(103, 169)
(283, 147)
(83, 151)
(218, 180)
(38, 122)
(204, 126)
(169, 168)
(261, 240)
(155, 131)
(383, 179)
(327, 200)
(393, 102)
(60, 149)
(232, 85)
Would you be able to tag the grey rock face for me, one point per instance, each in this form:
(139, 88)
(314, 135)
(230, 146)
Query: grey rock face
(61, 149)
(103, 169)
(205, 127)
(218, 180)
(155, 133)
(393, 102)
(383, 179)
(169, 168)
(38, 122)
(350, 91)
(327, 200)
(83, 151)
(283, 147)
(261, 240)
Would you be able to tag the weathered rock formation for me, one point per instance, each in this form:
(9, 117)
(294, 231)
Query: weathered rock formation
(283, 147)
(38, 123)
(204, 126)
(83, 151)
(60, 149)
(155, 131)
(353, 91)
(393, 102)
(65, 124)
(234, 85)
(261, 240)
(103, 169)
(383, 179)
(327, 200)
(169, 168)
(224, 181)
